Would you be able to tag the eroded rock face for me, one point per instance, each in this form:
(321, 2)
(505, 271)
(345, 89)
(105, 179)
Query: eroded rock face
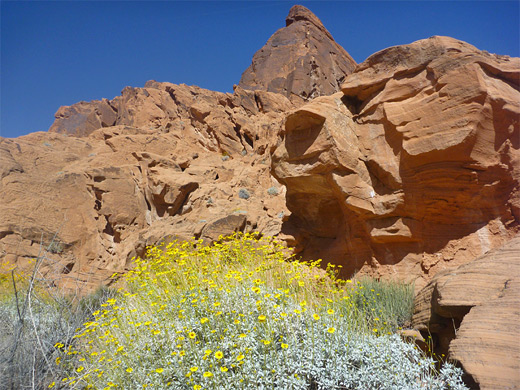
(157, 163)
(301, 61)
(170, 167)
(217, 121)
(413, 167)
(473, 314)
(82, 118)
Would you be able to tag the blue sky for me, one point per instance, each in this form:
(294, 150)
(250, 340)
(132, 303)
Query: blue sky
(61, 52)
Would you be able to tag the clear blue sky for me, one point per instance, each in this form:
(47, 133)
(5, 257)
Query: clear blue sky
(61, 52)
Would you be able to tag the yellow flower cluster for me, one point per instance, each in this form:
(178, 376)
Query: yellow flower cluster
(186, 299)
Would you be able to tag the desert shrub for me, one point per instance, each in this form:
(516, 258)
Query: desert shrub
(237, 315)
(272, 191)
(244, 194)
(384, 301)
(56, 247)
(36, 322)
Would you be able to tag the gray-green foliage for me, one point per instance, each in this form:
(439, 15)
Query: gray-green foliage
(55, 247)
(292, 347)
(272, 191)
(223, 322)
(244, 194)
(31, 325)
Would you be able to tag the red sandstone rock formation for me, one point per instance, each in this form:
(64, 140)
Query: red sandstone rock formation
(170, 166)
(413, 167)
(218, 120)
(82, 118)
(160, 162)
(473, 313)
(301, 61)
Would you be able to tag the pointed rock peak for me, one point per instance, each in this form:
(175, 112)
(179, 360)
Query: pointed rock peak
(300, 61)
(299, 12)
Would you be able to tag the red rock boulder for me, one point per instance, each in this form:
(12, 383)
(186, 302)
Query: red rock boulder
(473, 314)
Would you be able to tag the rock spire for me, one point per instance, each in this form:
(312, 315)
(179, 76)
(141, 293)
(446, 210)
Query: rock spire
(301, 61)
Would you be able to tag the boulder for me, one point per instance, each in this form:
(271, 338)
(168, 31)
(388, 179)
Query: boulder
(82, 118)
(224, 227)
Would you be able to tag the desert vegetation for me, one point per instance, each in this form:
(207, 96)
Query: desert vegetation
(234, 315)
(35, 316)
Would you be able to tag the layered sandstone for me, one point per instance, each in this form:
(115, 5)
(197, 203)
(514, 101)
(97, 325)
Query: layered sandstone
(414, 167)
(473, 315)
(300, 61)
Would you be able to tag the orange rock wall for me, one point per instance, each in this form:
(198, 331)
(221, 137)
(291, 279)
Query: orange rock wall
(413, 167)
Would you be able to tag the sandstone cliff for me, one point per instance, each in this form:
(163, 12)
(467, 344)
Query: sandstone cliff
(472, 312)
(413, 167)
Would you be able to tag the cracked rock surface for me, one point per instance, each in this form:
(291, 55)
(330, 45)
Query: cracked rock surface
(171, 166)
